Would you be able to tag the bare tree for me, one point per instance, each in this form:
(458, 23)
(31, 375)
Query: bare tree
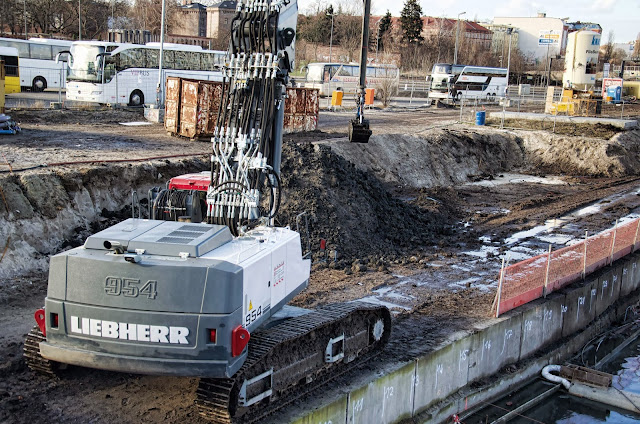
(607, 51)
(348, 33)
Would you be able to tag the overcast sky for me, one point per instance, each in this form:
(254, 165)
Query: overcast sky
(620, 16)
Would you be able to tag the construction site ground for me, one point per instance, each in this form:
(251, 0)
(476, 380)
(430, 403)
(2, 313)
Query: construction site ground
(419, 219)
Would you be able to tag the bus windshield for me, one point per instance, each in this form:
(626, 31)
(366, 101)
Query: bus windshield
(440, 68)
(85, 64)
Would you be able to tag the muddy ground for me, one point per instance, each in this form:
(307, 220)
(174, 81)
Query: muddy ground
(430, 250)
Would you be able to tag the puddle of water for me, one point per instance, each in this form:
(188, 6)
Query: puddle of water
(136, 123)
(377, 301)
(518, 179)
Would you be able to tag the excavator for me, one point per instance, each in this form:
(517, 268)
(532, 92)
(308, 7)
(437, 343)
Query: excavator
(201, 288)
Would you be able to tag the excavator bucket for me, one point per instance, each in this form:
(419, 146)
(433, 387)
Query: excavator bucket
(359, 132)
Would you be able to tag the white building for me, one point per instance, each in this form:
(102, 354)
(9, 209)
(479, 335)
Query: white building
(539, 38)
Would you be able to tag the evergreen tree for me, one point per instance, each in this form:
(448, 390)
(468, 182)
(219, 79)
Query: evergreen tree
(383, 27)
(411, 20)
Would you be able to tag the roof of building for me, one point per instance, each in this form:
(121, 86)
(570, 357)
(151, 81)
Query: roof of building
(448, 23)
(193, 6)
(225, 4)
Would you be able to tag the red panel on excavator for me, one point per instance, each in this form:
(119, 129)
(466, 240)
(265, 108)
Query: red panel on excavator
(199, 181)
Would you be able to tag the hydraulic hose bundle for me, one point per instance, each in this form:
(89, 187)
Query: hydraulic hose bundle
(247, 137)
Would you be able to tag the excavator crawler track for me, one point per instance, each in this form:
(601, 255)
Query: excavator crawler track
(34, 359)
(289, 360)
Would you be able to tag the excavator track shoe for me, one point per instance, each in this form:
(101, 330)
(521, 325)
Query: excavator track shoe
(34, 359)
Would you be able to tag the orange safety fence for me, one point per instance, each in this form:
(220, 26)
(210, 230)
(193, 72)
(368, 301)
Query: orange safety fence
(535, 277)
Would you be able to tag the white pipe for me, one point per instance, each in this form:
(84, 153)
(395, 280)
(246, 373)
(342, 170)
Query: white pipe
(546, 373)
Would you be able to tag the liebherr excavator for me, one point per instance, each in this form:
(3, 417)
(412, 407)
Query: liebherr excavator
(201, 288)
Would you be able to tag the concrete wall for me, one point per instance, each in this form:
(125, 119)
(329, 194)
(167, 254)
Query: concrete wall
(430, 388)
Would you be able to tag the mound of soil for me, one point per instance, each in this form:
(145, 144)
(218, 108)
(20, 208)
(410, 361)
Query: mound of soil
(561, 128)
(436, 157)
(583, 156)
(353, 211)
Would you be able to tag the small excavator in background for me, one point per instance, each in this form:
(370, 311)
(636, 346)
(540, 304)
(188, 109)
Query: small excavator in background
(201, 289)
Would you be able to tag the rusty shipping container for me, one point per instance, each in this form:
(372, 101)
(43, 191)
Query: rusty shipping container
(301, 110)
(191, 108)
(172, 105)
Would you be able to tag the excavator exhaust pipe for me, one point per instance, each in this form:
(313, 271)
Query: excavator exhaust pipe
(359, 132)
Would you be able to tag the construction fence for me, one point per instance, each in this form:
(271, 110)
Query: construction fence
(536, 277)
(550, 110)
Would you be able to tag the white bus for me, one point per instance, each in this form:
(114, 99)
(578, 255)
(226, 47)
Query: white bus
(441, 78)
(38, 67)
(469, 82)
(114, 73)
(327, 77)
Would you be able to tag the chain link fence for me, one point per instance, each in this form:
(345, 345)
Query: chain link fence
(549, 114)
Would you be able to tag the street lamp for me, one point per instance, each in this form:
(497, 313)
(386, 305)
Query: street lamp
(161, 56)
(331, 36)
(377, 37)
(455, 50)
(510, 32)
(549, 41)
(24, 3)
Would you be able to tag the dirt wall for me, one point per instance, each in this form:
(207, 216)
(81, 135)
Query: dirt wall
(435, 158)
(560, 154)
(45, 211)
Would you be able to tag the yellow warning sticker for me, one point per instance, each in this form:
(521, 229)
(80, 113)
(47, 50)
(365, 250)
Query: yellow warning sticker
(250, 305)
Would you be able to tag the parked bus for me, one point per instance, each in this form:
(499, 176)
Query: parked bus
(11, 69)
(441, 78)
(104, 72)
(38, 68)
(470, 82)
(327, 77)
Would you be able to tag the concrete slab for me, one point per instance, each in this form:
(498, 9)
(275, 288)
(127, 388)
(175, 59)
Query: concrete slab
(616, 283)
(541, 324)
(607, 279)
(496, 344)
(626, 280)
(442, 373)
(580, 307)
(554, 310)
(635, 271)
(387, 399)
(334, 413)
(532, 329)
(619, 123)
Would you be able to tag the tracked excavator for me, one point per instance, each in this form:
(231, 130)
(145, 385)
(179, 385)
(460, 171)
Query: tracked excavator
(201, 288)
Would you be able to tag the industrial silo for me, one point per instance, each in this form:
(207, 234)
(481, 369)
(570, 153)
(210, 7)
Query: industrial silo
(581, 60)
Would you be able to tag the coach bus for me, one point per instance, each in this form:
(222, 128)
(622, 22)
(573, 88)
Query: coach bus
(327, 77)
(9, 55)
(115, 73)
(453, 82)
(38, 68)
